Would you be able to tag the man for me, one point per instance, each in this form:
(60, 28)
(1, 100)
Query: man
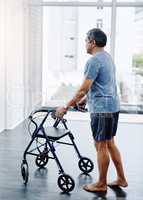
(100, 87)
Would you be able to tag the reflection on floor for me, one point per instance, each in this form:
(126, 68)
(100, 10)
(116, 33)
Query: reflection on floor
(43, 182)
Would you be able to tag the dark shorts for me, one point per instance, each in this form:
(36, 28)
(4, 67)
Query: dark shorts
(104, 125)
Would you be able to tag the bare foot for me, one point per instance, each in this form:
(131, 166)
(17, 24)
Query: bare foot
(121, 183)
(96, 187)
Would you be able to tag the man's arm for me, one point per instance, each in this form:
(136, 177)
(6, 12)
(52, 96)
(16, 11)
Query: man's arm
(83, 90)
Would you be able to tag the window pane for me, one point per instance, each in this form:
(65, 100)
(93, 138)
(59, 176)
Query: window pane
(129, 57)
(64, 53)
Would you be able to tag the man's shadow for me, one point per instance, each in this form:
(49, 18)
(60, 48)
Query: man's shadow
(100, 195)
(119, 192)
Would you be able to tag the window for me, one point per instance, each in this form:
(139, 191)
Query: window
(129, 57)
(64, 53)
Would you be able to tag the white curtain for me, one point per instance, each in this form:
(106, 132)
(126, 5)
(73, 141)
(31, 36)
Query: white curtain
(20, 60)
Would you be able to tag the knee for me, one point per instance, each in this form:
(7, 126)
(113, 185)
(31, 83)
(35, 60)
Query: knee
(101, 146)
(110, 144)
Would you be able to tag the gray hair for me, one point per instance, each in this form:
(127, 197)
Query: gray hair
(98, 35)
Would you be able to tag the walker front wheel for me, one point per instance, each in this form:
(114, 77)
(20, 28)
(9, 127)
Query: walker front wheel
(66, 183)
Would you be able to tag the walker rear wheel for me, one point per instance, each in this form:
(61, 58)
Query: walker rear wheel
(25, 172)
(85, 165)
(42, 159)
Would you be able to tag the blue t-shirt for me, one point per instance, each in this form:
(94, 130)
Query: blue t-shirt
(102, 96)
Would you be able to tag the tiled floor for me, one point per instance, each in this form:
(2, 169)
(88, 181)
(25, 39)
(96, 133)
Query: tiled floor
(42, 183)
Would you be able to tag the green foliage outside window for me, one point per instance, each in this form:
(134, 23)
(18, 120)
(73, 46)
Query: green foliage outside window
(138, 61)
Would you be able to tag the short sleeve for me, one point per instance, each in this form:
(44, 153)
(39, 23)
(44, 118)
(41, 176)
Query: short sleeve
(92, 69)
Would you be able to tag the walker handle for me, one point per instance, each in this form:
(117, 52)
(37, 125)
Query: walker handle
(48, 109)
(42, 109)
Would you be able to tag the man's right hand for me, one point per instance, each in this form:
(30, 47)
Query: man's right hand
(81, 104)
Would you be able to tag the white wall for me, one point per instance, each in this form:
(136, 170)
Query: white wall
(20, 60)
(32, 55)
(2, 67)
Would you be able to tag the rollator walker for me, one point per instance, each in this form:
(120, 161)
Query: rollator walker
(45, 150)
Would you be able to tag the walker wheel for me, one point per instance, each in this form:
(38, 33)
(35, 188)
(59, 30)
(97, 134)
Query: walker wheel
(24, 172)
(42, 159)
(66, 183)
(85, 165)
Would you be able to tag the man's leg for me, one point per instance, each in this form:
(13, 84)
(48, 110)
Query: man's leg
(103, 163)
(116, 158)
